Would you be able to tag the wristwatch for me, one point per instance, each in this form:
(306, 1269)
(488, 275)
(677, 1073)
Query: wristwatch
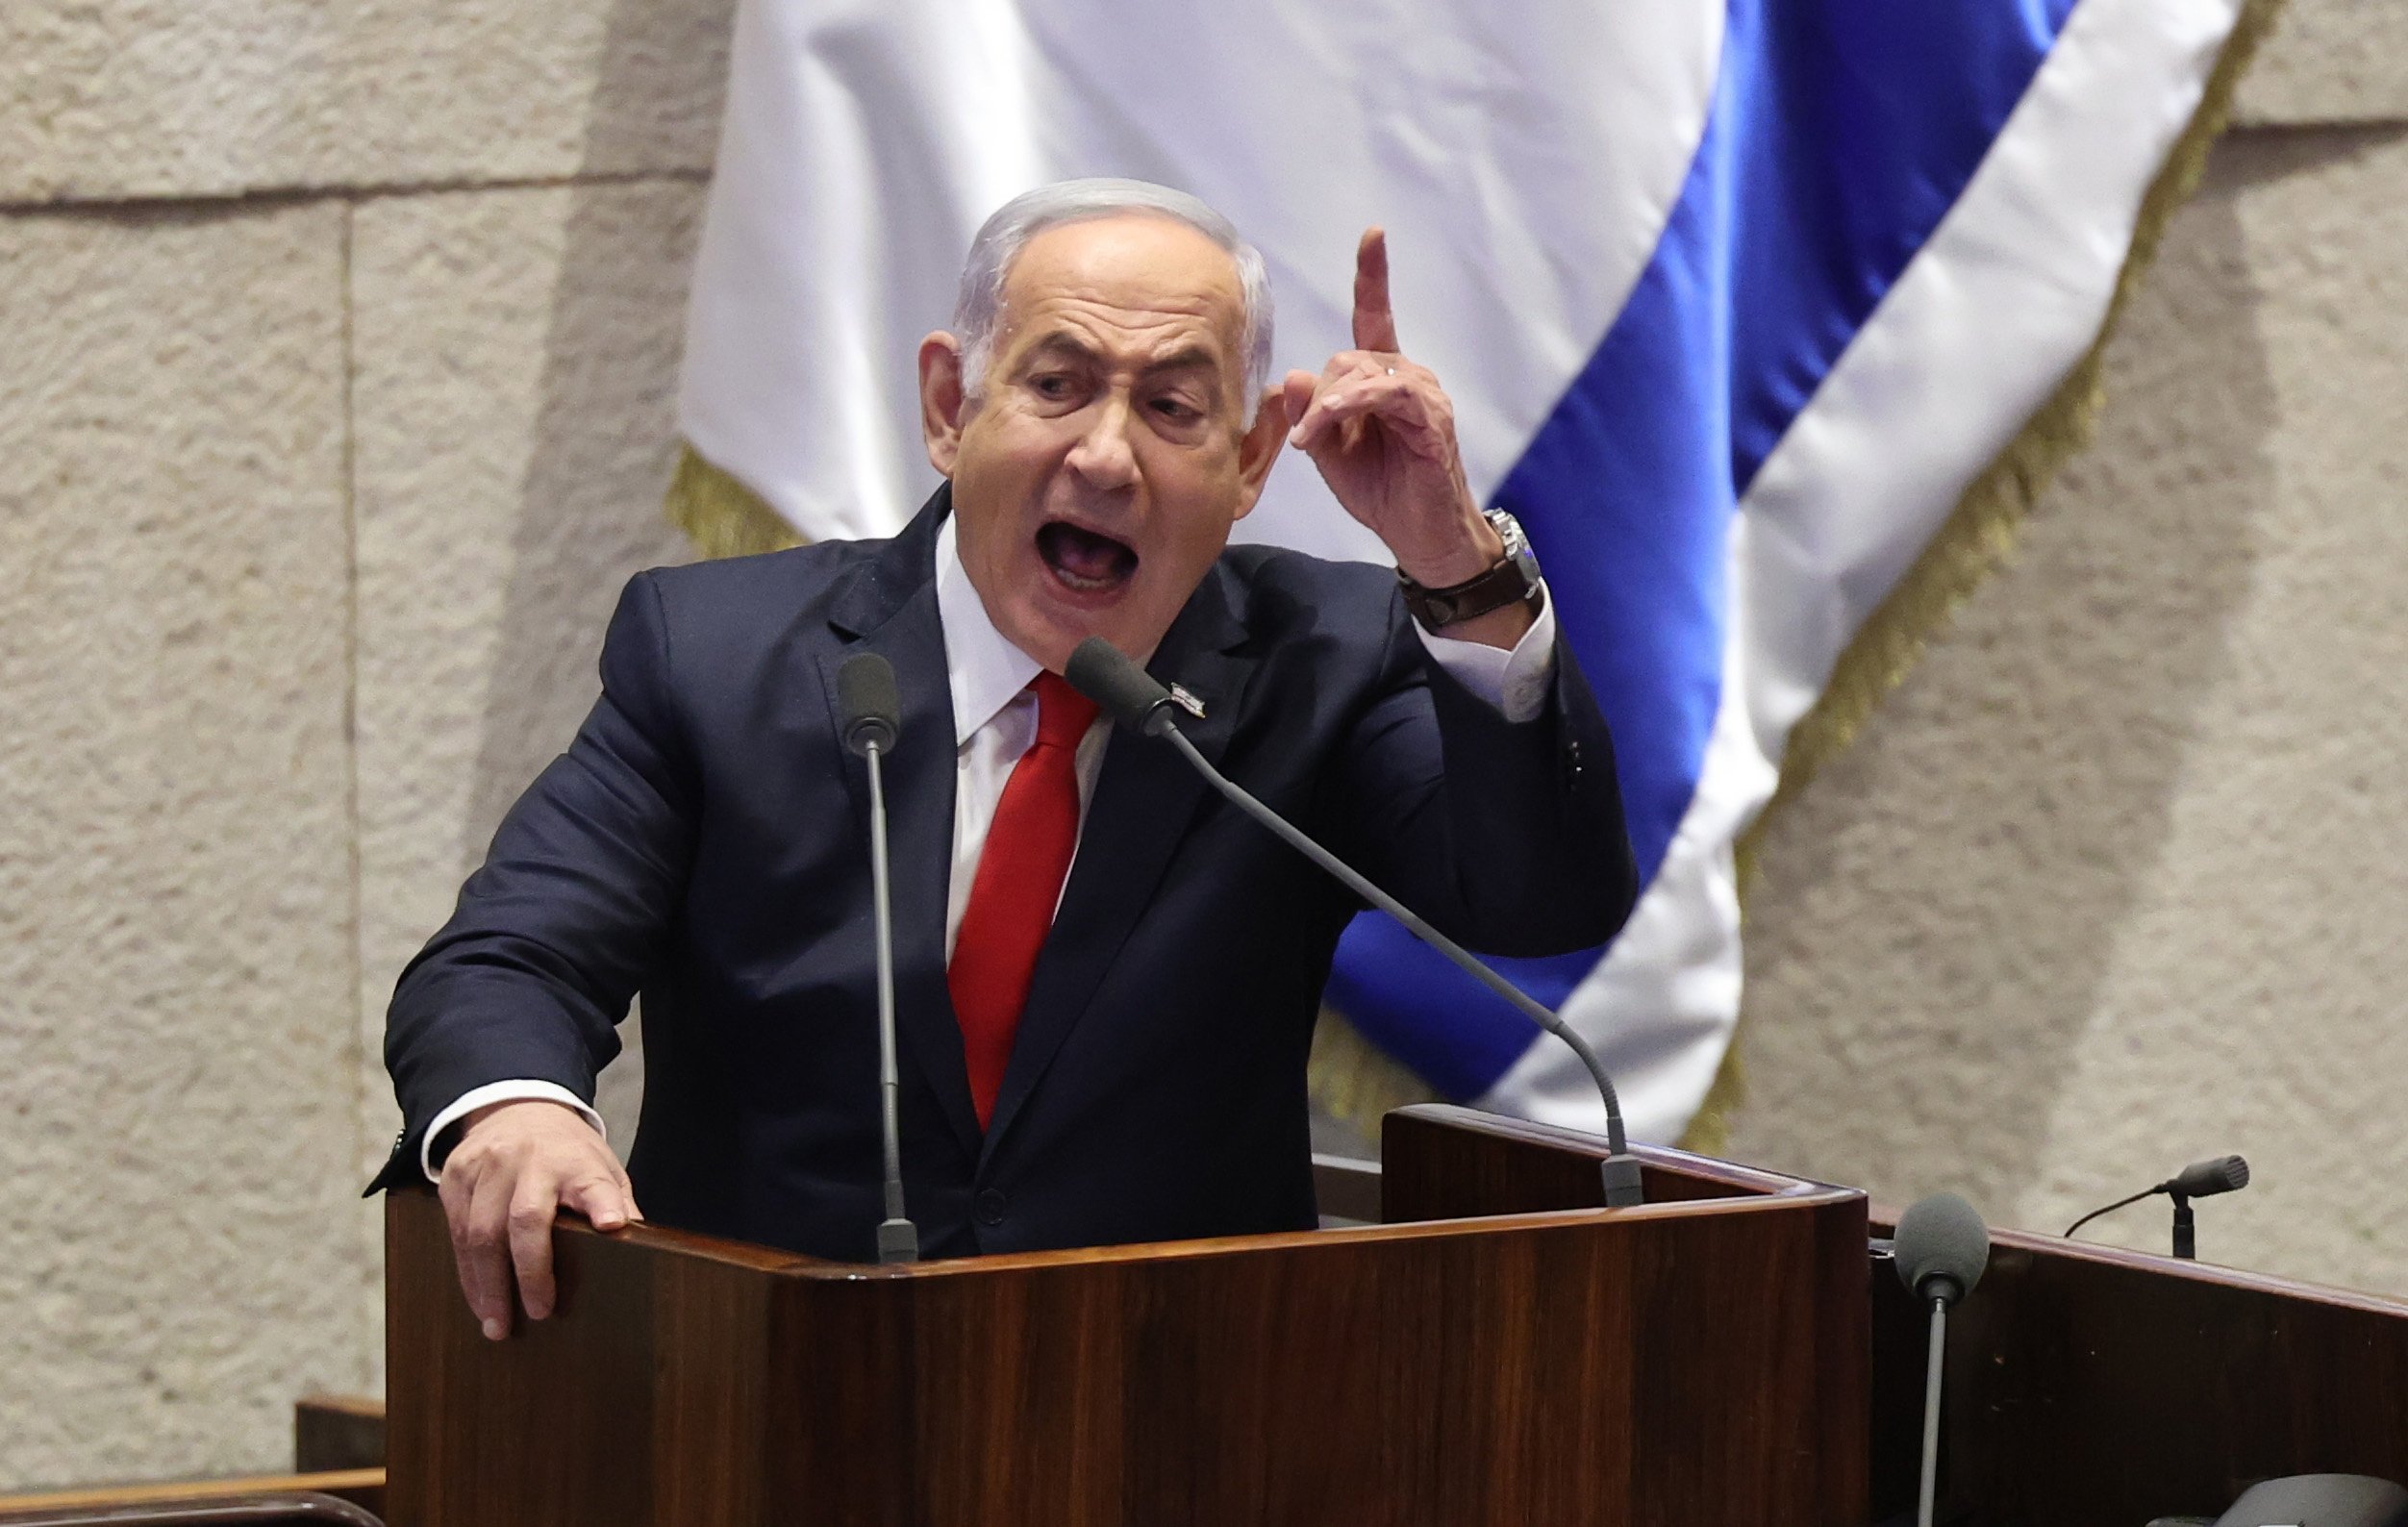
(1513, 580)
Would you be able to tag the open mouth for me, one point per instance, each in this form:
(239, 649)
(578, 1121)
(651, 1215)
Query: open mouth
(1083, 561)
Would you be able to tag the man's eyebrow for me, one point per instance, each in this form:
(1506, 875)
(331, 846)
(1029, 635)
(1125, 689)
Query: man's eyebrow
(1061, 344)
(1185, 358)
(1065, 344)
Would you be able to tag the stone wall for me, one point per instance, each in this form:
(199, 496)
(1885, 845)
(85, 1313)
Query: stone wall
(2113, 882)
(339, 337)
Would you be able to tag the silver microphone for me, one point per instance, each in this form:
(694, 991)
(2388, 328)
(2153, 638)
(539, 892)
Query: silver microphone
(871, 712)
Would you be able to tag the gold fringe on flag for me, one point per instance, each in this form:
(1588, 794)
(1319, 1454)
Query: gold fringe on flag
(1980, 531)
(720, 514)
(1353, 1079)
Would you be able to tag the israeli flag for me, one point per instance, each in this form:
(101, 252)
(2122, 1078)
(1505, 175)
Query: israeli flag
(1734, 298)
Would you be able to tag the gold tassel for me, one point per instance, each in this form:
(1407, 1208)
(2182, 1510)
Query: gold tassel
(720, 514)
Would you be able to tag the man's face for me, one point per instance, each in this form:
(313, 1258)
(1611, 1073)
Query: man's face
(1097, 475)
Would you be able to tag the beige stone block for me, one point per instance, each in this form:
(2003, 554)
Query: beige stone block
(180, 1242)
(2330, 61)
(210, 97)
(2115, 881)
(517, 354)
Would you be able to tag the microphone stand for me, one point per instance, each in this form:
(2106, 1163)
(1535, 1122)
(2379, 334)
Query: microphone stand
(1941, 1250)
(1620, 1167)
(1926, 1496)
(898, 1240)
(2223, 1175)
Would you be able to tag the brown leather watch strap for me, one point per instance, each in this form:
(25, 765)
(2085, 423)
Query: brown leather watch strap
(1513, 579)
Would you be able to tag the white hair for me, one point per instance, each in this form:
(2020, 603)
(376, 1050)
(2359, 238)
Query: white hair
(979, 307)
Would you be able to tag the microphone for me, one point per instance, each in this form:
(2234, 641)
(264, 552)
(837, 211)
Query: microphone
(870, 718)
(2206, 1179)
(869, 705)
(1942, 1248)
(1130, 696)
(2221, 1174)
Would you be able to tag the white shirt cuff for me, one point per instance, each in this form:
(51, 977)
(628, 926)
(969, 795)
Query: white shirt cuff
(1514, 682)
(477, 1098)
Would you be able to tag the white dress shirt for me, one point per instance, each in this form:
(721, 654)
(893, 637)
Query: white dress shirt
(994, 721)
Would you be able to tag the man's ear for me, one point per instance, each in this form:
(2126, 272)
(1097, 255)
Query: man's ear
(1259, 448)
(940, 400)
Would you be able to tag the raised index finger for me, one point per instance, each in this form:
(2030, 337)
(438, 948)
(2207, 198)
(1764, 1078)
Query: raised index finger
(1374, 321)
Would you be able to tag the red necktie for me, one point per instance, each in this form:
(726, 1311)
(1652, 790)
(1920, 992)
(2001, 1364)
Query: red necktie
(1019, 882)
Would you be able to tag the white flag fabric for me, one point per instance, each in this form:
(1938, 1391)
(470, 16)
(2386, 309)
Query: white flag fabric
(1734, 298)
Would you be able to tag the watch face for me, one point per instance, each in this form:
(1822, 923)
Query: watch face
(1516, 544)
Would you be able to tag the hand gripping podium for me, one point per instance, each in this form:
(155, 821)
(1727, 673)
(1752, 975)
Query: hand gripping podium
(1484, 1355)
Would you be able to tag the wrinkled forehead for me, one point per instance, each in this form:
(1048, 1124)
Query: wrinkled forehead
(1139, 273)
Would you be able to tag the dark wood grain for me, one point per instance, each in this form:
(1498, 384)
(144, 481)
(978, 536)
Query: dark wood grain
(2089, 1386)
(1670, 1364)
(647, 1405)
(1438, 1162)
(2086, 1387)
(1488, 1373)
(1441, 1162)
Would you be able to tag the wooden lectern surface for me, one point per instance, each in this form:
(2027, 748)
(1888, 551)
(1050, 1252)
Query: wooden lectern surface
(2087, 1386)
(1691, 1362)
(2091, 1387)
(1725, 1354)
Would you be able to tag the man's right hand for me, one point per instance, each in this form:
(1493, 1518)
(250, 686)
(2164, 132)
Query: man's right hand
(518, 1163)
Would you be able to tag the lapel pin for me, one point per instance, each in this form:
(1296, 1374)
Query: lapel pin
(1185, 699)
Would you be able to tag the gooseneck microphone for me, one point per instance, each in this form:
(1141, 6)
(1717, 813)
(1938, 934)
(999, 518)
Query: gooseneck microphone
(870, 711)
(1942, 1248)
(1130, 696)
(2206, 1179)
(2221, 1174)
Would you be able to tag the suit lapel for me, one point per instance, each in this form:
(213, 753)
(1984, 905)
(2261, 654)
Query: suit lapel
(889, 609)
(1146, 797)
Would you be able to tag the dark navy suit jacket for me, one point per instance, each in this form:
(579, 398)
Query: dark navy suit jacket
(704, 840)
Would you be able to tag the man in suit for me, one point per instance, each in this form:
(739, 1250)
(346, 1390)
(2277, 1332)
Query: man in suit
(1106, 977)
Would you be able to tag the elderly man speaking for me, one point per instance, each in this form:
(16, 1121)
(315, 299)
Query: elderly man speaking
(1107, 978)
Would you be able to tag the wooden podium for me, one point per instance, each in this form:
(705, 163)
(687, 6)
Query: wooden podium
(1482, 1355)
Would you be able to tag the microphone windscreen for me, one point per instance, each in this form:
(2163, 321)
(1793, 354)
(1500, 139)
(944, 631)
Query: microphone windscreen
(1941, 1239)
(868, 707)
(2207, 1179)
(1126, 692)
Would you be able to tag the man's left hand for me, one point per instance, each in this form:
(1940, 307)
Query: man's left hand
(1382, 432)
